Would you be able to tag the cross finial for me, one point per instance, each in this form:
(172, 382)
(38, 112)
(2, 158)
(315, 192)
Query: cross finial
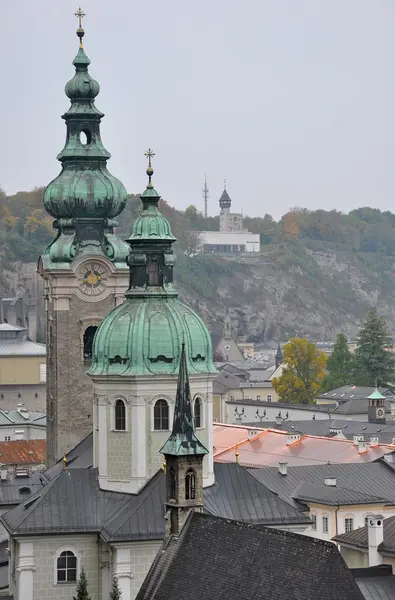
(224, 184)
(149, 154)
(80, 32)
(80, 15)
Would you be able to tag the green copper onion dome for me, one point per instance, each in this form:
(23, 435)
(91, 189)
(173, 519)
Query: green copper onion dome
(144, 335)
(84, 198)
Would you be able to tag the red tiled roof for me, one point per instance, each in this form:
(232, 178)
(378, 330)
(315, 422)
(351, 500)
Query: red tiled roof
(22, 452)
(269, 447)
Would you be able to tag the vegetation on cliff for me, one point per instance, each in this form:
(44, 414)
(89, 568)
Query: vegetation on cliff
(318, 272)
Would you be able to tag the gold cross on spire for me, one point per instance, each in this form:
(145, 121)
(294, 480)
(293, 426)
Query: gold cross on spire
(80, 15)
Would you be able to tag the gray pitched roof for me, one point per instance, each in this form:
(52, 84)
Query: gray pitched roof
(359, 537)
(14, 489)
(247, 497)
(73, 502)
(365, 478)
(347, 392)
(325, 408)
(307, 491)
(356, 406)
(79, 457)
(376, 583)
(241, 562)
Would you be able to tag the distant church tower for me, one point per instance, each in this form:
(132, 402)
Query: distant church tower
(183, 454)
(136, 358)
(84, 269)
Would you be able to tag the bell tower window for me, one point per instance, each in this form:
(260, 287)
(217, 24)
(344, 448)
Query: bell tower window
(172, 484)
(89, 335)
(190, 485)
(197, 413)
(152, 272)
(120, 416)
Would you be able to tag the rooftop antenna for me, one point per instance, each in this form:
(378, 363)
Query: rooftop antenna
(205, 196)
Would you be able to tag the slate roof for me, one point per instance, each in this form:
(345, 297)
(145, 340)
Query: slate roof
(370, 479)
(72, 502)
(79, 457)
(356, 406)
(319, 427)
(325, 408)
(376, 583)
(243, 562)
(22, 452)
(21, 348)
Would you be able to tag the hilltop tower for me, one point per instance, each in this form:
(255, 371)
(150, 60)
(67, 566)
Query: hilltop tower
(84, 268)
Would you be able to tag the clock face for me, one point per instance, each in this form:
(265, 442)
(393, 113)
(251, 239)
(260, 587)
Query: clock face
(92, 279)
(380, 412)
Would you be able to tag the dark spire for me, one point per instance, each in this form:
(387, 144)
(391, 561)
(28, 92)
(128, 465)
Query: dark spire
(225, 201)
(183, 441)
(278, 357)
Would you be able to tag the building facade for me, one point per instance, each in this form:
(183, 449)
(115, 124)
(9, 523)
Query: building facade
(84, 269)
(232, 237)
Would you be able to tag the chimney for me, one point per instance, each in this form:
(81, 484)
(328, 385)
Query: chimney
(3, 474)
(252, 433)
(362, 447)
(357, 439)
(279, 421)
(375, 538)
(374, 441)
(282, 468)
(293, 437)
(389, 458)
(330, 481)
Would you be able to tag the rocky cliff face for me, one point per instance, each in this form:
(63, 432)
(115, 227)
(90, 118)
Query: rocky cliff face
(291, 290)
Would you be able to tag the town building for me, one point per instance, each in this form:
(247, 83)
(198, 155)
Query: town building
(22, 370)
(338, 498)
(232, 237)
(22, 424)
(217, 558)
(84, 268)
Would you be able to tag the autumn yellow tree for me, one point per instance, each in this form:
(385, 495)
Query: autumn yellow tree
(304, 369)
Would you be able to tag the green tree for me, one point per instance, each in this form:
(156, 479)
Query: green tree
(340, 365)
(374, 361)
(82, 587)
(302, 375)
(116, 593)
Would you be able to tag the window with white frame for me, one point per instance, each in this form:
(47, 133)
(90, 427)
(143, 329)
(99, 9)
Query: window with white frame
(66, 567)
(314, 523)
(268, 397)
(325, 524)
(197, 412)
(348, 524)
(161, 415)
(258, 397)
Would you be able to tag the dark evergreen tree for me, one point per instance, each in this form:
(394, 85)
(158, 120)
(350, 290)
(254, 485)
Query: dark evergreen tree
(374, 361)
(82, 587)
(340, 365)
(116, 593)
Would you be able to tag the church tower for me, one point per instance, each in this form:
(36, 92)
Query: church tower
(84, 269)
(136, 358)
(183, 454)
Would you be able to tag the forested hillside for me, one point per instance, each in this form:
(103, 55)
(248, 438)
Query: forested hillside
(317, 274)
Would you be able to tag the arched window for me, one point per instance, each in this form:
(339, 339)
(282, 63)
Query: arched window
(89, 335)
(66, 566)
(190, 485)
(161, 415)
(172, 483)
(120, 415)
(152, 272)
(197, 413)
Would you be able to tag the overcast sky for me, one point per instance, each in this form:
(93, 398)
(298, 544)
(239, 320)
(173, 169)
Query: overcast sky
(292, 101)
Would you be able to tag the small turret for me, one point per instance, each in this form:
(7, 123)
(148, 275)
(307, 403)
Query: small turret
(376, 408)
(278, 357)
(184, 454)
